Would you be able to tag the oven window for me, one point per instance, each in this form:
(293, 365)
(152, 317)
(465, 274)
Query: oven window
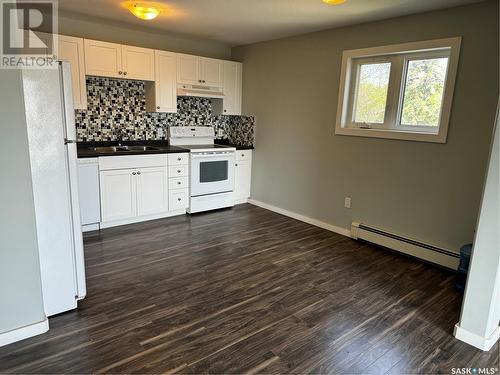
(213, 171)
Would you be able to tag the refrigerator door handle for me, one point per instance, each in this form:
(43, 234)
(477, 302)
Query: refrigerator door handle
(67, 141)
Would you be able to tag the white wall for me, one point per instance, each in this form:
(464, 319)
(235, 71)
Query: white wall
(479, 321)
(20, 285)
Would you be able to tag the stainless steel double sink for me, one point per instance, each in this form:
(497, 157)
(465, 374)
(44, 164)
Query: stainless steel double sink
(109, 149)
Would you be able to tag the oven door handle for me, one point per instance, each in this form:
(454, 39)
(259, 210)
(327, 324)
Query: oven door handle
(199, 156)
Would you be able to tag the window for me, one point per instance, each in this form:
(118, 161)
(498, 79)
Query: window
(399, 92)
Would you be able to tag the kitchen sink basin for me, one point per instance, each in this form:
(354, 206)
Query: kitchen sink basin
(109, 149)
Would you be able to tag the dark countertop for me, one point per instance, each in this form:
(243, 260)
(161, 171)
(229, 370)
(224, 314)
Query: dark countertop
(85, 149)
(238, 147)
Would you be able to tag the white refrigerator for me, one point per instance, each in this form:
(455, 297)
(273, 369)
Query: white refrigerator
(50, 120)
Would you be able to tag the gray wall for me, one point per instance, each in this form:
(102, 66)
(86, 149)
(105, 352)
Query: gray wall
(20, 286)
(424, 190)
(109, 31)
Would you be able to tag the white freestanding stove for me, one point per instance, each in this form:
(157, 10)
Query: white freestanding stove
(211, 167)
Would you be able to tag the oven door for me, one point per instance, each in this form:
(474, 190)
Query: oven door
(212, 172)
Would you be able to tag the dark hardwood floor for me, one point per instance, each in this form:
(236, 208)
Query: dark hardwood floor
(250, 291)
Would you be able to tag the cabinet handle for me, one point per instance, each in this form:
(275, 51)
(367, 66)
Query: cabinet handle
(179, 199)
(120, 72)
(236, 165)
(133, 173)
(157, 107)
(203, 81)
(225, 110)
(179, 171)
(178, 182)
(138, 172)
(124, 73)
(179, 159)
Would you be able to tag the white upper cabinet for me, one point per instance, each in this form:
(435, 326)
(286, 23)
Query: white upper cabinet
(138, 63)
(211, 72)
(103, 59)
(232, 88)
(118, 61)
(188, 69)
(195, 70)
(71, 49)
(162, 95)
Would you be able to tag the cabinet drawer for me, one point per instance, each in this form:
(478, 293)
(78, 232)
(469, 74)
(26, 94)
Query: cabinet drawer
(177, 171)
(132, 161)
(242, 155)
(178, 183)
(178, 159)
(178, 199)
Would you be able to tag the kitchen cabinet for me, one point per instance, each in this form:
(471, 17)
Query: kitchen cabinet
(138, 63)
(178, 180)
(211, 72)
(202, 71)
(152, 191)
(232, 88)
(88, 192)
(118, 194)
(161, 95)
(188, 69)
(118, 61)
(136, 188)
(71, 49)
(103, 59)
(242, 176)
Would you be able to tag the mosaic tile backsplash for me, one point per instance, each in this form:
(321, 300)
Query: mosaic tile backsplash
(118, 108)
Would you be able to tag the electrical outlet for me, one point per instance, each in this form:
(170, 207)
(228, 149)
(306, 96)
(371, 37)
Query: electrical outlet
(160, 132)
(347, 202)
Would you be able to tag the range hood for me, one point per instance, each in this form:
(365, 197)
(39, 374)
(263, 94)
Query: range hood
(200, 91)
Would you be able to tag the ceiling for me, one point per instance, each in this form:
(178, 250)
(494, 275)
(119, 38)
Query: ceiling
(236, 22)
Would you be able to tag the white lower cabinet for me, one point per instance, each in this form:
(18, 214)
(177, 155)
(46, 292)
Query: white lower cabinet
(179, 199)
(242, 176)
(178, 181)
(88, 192)
(152, 191)
(118, 194)
(138, 188)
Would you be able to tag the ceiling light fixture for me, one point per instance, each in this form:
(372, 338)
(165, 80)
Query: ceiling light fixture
(334, 2)
(143, 11)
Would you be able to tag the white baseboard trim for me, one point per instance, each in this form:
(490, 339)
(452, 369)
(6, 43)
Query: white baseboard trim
(240, 201)
(140, 219)
(305, 219)
(90, 227)
(483, 343)
(24, 332)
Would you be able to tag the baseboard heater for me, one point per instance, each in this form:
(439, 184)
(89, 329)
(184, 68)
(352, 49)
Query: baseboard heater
(404, 245)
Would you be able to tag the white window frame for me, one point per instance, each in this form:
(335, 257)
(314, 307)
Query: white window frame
(398, 55)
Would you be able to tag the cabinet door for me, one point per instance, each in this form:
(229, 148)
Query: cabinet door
(103, 59)
(88, 192)
(242, 180)
(152, 191)
(232, 88)
(211, 72)
(138, 63)
(166, 82)
(71, 50)
(118, 195)
(188, 69)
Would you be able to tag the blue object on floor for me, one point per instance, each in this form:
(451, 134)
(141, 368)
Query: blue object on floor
(463, 267)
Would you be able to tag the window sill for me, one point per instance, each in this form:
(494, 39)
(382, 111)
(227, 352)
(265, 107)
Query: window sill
(392, 134)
